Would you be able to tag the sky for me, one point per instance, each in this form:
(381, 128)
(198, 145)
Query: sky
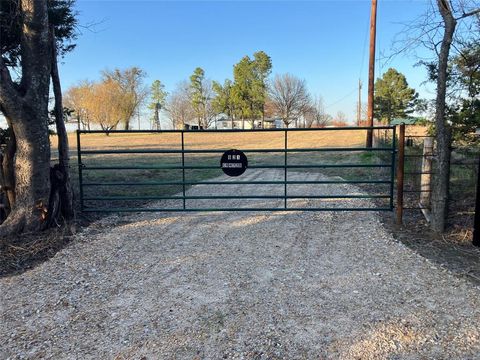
(323, 42)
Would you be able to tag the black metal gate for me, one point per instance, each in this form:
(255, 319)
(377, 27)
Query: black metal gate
(112, 179)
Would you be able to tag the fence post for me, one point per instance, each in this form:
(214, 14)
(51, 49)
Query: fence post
(285, 170)
(400, 174)
(426, 177)
(80, 170)
(375, 138)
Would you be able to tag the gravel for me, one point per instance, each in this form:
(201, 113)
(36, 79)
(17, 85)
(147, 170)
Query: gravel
(240, 285)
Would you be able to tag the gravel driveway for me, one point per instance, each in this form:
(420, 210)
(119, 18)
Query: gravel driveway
(239, 286)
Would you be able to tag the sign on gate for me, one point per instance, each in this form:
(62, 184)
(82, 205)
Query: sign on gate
(234, 162)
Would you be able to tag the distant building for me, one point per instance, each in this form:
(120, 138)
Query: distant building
(225, 123)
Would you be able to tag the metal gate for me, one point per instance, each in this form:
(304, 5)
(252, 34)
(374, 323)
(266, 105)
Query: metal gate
(109, 179)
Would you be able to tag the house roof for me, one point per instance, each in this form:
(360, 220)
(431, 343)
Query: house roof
(406, 121)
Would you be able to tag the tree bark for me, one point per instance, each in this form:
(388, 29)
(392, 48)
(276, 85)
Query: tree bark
(65, 186)
(26, 108)
(8, 171)
(442, 131)
(32, 173)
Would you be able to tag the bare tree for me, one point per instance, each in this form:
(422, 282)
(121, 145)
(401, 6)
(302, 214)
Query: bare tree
(316, 115)
(341, 117)
(133, 91)
(76, 98)
(102, 103)
(289, 98)
(179, 106)
(210, 113)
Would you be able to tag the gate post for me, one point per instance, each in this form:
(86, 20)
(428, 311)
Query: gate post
(80, 170)
(425, 177)
(400, 174)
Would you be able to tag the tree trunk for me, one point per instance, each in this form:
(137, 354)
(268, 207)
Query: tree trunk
(32, 173)
(8, 170)
(26, 108)
(65, 186)
(442, 135)
(127, 125)
(157, 117)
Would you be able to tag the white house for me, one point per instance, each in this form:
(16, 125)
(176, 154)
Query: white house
(224, 123)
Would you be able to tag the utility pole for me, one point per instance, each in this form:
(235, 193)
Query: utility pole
(359, 108)
(371, 71)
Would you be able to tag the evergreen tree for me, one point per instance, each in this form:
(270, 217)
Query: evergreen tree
(393, 97)
(250, 85)
(158, 97)
(201, 97)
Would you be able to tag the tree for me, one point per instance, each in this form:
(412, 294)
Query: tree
(341, 117)
(179, 106)
(262, 67)
(158, 97)
(442, 132)
(393, 97)
(315, 115)
(464, 113)
(99, 103)
(105, 104)
(201, 95)
(76, 98)
(32, 33)
(290, 98)
(249, 90)
(242, 90)
(223, 101)
(133, 91)
(437, 31)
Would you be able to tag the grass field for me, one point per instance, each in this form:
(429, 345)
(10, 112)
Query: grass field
(213, 140)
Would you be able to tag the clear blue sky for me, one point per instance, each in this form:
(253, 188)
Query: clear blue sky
(324, 42)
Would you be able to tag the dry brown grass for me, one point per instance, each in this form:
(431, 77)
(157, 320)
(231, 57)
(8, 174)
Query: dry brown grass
(239, 140)
(212, 140)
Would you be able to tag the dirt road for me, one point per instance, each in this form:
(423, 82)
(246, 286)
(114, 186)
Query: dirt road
(239, 286)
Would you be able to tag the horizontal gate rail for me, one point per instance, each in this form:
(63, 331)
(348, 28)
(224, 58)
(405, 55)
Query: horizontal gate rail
(97, 188)
(221, 151)
(234, 130)
(200, 167)
(112, 198)
(141, 209)
(266, 182)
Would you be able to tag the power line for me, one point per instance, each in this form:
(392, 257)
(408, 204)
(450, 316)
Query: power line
(343, 98)
(364, 45)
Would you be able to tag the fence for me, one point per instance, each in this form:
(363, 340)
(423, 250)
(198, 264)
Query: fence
(419, 170)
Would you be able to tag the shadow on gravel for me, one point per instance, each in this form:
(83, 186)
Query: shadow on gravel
(446, 250)
(26, 251)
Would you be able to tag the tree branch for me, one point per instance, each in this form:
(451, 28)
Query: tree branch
(470, 13)
(7, 91)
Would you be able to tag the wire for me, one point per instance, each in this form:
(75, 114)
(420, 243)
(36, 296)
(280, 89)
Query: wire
(343, 98)
(364, 46)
